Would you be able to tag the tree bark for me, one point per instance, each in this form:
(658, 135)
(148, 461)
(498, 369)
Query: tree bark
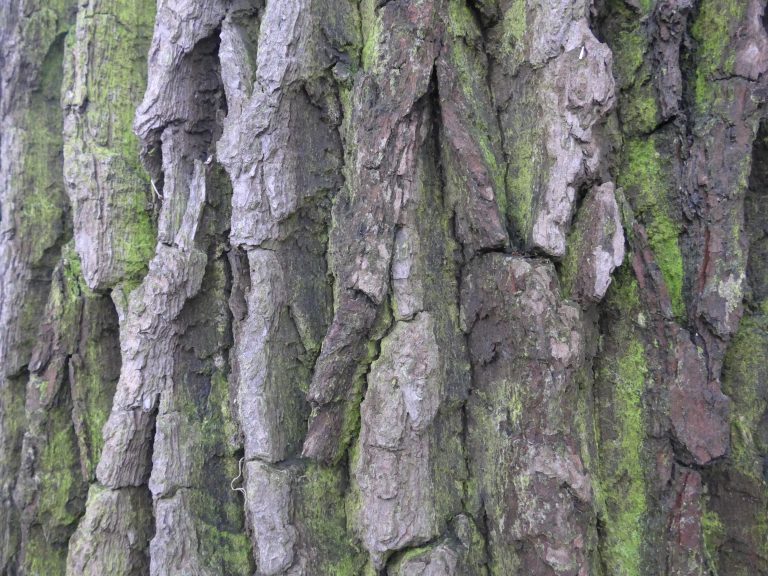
(383, 287)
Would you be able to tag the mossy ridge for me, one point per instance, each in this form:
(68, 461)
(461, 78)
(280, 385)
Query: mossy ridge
(713, 534)
(466, 32)
(524, 178)
(371, 33)
(62, 487)
(319, 500)
(61, 484)
(205, 411)
(40, 559)
(41, 210)
(620, 486)
(60, 497)
(514, 29)
(223, 544)
(116, 36)
(92, 389)
(644, 178)
(569, 268)
(630, 42)
(216, 509)
(744, 373)
(713, 31)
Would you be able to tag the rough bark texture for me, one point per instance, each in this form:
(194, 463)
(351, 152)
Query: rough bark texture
(383, 287)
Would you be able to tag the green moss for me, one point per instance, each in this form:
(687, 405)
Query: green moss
(219, 523)
(514, 26)
(625, 527)
(40, 559)
(41, 204)
(98, 401)
(371, 25)
(523, 174)
(572, 262)
(471, 70)
(629, 46)
(118, 37)
(644, 178)
(713, 31)
(410, 555)
(461, 22)
(225, 551)
(713, 532)
(217, 510)
(135, 245)
(640, 113)
(89, 389)
(350, 424)
(620, 485)
(320, 502)
(646, 5)
(58, 470)
(744, 375)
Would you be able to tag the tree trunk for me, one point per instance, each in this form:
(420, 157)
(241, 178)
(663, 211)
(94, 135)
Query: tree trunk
(383, 287)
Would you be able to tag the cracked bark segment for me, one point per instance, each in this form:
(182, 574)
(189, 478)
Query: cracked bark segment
(551, 94)
(52, 483)
(107, 187)
(442, 560)
(266, 356)
(386, 143)
(182, 545)
(717, 173)
(94, 370)
(382, 160)
(416, 385)
(297, 511)
(180, 27)
(268, 503)
(407, 291)
(670, 22)
(537, 35)
(470, 138)
(177, 120)
(112, 536)
(595, 246)
(337, 369)
(686, 547)
(525, 344)
(399, 506)
(147, 337)
(738, 493)
(582, 86)
(147, 332)
(731, 62)
(698, 409)
(172, 549)
(280, 144)
(460, 552)
(199, 523)
(286, 103)
(283, 152)
(736, 486)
